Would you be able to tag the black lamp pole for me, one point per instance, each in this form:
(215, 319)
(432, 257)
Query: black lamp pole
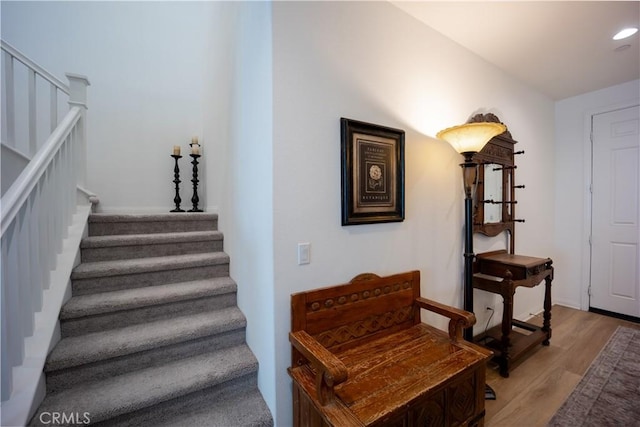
(469, 174)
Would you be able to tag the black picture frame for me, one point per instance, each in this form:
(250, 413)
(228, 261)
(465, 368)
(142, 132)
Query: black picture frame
(372, 173)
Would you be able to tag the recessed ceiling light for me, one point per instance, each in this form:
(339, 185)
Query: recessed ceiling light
(627, 32)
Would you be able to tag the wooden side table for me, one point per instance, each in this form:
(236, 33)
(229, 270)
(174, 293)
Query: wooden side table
(502, 273)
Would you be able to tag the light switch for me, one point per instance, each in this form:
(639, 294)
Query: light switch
(304, 253)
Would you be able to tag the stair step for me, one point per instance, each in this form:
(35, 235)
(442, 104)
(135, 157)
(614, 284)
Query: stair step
(100, 346)
(110, 224)
(246, 408)
(99, 355)
(108, 310)
(129, 246)
(90, 270)
(145, 388)
(105, 276)
(152, 334)
(237, 403)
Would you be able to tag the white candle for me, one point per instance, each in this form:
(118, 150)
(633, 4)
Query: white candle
(176, 150)
(194, 140)
(195, 149)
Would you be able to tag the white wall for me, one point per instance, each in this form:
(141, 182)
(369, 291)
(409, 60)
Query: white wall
(241, 168)
(144, 61)
(264, 85)
(370, 61)
(573, 177)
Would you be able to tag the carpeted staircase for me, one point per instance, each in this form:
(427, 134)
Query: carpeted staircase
(152, 335)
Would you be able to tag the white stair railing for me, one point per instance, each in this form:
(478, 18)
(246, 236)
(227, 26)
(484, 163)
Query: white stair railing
(28, 88)
(36, 212)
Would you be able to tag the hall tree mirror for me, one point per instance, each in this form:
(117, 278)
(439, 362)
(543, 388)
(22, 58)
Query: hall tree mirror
(492, 180)
(494, 205)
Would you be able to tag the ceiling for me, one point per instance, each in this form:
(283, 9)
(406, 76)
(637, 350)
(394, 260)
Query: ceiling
(561, 48)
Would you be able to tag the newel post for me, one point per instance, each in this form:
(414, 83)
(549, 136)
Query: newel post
(78, 98)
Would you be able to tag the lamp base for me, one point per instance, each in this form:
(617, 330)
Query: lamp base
(489, 393)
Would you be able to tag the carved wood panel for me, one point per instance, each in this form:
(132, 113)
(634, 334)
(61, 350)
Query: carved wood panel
(462, 401)
(344, 300)
(364, 327)
(430, 413)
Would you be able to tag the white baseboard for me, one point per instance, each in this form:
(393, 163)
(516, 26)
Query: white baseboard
(567, 303)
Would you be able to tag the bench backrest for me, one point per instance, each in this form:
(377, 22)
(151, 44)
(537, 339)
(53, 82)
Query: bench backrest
(367, 307)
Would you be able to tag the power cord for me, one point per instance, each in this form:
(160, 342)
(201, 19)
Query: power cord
(489, 320)
(489, 393)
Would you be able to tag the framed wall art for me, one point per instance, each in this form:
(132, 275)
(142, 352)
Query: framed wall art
(372, 173)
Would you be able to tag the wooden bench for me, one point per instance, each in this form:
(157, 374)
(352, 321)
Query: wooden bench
(362, 357)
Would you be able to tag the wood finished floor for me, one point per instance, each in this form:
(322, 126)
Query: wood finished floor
(542, 380)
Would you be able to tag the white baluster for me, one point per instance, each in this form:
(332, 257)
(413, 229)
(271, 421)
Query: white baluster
(15, 349)
(53, 107)
(50, 197)
(44, 232)
(75, 159)
(70, 186)
(9, 97)
(78, 98)
(7, 321)
(33, 134)
(62, 198)
(34, 253)
(24, 279)
(73, 184)
(62, 206)
(57, 220)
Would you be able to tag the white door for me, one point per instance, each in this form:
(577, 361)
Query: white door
(615, 234)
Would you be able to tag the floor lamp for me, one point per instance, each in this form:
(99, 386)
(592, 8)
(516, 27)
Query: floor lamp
(468, 139)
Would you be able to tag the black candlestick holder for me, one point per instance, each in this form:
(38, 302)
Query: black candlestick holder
(176, 180)
(195, 199)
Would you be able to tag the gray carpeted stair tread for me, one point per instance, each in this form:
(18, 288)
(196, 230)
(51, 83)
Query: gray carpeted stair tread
(95, 269)
(106, 302)
(93, 347)
(148, 239)
(152, 217)
(116, 224)
(239, 409)
(140, 389)
(236, 403)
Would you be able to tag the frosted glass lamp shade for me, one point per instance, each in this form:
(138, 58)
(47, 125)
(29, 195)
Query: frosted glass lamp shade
(471, 137)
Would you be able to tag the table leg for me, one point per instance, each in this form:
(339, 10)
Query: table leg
(546, 324)
(505, 343)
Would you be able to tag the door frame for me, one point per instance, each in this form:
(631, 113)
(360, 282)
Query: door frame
(585, 282)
